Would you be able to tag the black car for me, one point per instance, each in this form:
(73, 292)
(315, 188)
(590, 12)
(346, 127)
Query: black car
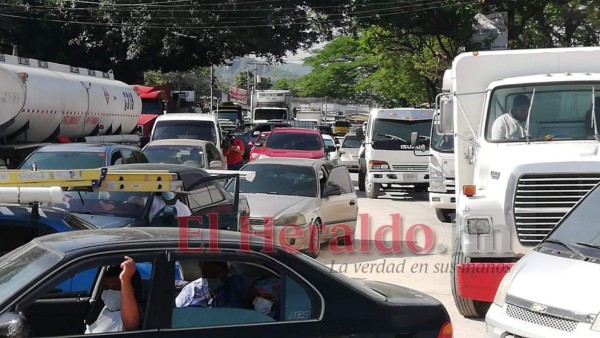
(249, 137)
(70, 156)
(325, 130)
(309, 300)
(203, 194)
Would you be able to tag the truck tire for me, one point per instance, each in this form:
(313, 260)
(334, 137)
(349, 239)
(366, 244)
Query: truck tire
(372, 189)
(361, 180)
(445, 215)
(466, 307)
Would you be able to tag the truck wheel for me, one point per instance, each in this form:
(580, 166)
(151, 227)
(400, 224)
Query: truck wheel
(372, 189)
(361, 180)
(445, 215)
(466, 307)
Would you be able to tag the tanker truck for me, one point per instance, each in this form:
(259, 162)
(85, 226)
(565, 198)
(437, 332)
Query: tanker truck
(43, 102)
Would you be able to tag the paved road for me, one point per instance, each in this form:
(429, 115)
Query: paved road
(426, 272)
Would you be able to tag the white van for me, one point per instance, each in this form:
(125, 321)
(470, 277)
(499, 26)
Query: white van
(188, 126)
(387, 156)
(553, 290)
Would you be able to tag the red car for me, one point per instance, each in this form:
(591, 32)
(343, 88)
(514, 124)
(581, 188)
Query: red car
(257, 145)
(294, 142)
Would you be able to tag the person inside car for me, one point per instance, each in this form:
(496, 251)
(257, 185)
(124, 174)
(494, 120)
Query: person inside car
(168, 198)
(121, 312)
(266, 298)
(217, 288)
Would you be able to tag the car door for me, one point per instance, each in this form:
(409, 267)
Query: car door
(294, 311)
(342, 208)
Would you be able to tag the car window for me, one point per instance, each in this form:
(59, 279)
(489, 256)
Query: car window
(138, 156)
(65, 160)
(128, 156)
(116, 158)
(252, 293)
(213, 153)
(15, 235)
(279, 179)
(351, 142)
(215, 193)
(339, 176)
(199, 198)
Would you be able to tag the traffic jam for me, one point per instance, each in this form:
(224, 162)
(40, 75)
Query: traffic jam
(121, 220)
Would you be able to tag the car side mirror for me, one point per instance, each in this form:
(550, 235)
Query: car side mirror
(332, 190)
(330, 149)
(342, 152)
(256, 133)
(14, 325)
(215, 164)
(258, 144)
(360, 135)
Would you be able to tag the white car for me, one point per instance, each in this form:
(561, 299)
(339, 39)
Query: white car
(333, 156)
(313, 196)
(349, 152)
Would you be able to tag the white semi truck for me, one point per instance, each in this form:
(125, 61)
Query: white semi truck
(526, 151)
(271, 105)
(442, 187)
(387, 157)
(43, 102)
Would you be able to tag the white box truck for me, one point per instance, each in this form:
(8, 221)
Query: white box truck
(387, 158)
(271, 105)
(526, 151)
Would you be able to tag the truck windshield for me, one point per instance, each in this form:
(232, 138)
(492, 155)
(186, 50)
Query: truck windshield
(558, 111)
(390, 134)
(151, 107)
(230, 115)
(270, 114)
(185, 129)
(580, 227)
(439, 142)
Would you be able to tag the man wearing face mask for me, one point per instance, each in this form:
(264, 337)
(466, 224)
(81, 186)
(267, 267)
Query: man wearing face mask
(168, 198)
(512, 124)
(121, 311)
(217, 288)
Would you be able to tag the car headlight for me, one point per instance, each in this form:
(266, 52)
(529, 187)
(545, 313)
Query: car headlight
(291, 219)
(500, 297)
(479, 226)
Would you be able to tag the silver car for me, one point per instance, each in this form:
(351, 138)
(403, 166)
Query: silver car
(312, 196)
(349, 152)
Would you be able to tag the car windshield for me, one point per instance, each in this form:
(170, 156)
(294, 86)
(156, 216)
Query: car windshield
(115, 203)
(328, 142)
(279, 179)
(351, 142)
(551, 112)
(22, 265)
(580, 226)
(65, 160)
(175, 154)
(185, 129)
(390, 134)
(297, 141)
(230, 115)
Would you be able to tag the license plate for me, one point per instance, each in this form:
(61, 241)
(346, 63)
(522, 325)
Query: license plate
(409, 177)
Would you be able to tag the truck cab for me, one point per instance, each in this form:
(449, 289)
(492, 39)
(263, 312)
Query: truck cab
(387, 157)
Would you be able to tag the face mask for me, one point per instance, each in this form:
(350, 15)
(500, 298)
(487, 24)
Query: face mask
(214, 283)
(112, 299)
(262, 305)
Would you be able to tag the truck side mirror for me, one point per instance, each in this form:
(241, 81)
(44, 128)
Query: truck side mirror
(446, 125)
(360, 135)
(414, 138)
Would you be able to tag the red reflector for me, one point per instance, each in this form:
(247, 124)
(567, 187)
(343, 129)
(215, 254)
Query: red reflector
(101, 154)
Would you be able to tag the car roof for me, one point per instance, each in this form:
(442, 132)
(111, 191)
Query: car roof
(178, 142)
(297, 131)
(46, 214)
(307, 162)
(84, 147)
(76, 240)
(187, 116)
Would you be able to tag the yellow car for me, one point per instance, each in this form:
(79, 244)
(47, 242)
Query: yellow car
(341, 127)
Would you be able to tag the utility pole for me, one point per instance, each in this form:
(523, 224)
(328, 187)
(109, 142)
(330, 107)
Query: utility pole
(212, 86)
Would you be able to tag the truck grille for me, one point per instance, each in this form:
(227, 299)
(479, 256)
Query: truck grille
(542, 319)
(424, 167)
(541, 201)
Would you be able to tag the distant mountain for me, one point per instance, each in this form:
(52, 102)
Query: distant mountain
(276, 72)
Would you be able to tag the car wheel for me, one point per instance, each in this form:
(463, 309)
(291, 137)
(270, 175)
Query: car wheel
(372, 189)
(361, 180)
(467, 307)
(314, 241)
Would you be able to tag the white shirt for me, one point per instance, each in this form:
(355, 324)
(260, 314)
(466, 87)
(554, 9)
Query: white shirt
(108, 321)
(507, 127)
(158, 204)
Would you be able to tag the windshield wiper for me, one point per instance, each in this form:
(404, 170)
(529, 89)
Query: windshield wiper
(589, 245)
(570, 247)
(394, 137)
